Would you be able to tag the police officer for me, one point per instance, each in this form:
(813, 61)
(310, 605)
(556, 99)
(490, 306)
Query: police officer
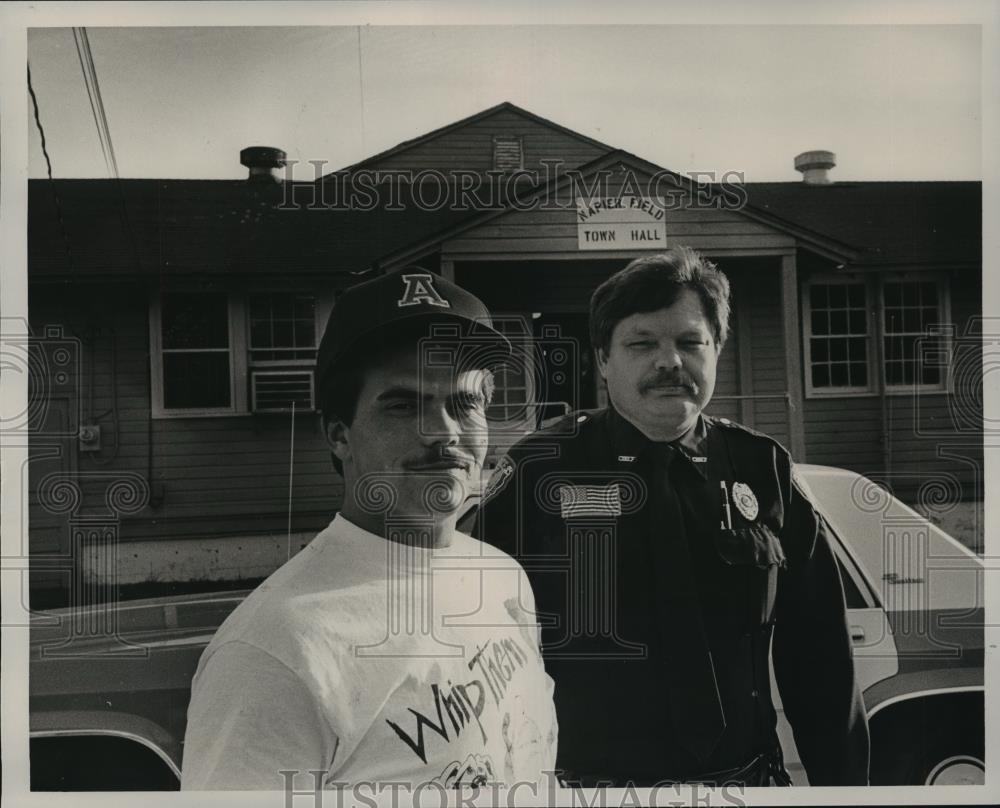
(666, 549)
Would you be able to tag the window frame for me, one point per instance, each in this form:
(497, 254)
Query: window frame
(807, 335)
(237, 360)
(277, 364)
(875, 295)
(238, 309)
(940, 279)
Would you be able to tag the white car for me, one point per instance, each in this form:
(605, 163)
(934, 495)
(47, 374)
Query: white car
(110, 714)
(915, 607)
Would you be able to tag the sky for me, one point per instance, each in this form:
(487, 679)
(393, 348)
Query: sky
(893, 102)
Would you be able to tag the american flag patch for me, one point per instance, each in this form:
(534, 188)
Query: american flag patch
(590, 500)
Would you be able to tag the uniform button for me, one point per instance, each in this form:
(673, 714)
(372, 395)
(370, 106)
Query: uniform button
(754, 693)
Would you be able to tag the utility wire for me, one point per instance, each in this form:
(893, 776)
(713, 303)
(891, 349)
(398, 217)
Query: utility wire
(86, 57)
(48, 164)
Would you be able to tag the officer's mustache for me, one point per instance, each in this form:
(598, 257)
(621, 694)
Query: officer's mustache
(667, 379)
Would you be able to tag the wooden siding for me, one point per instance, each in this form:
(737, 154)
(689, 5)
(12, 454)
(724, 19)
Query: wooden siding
(471, 147)
(217, 476)
(520, 288)
(913, 441)
(552, 227)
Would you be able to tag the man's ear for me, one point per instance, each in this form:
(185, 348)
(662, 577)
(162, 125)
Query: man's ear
(602, 362)
(337, 435)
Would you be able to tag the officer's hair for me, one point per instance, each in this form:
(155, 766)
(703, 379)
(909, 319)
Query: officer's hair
(654, 282)
(338, 399)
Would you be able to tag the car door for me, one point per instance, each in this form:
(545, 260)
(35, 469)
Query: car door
(875, 653)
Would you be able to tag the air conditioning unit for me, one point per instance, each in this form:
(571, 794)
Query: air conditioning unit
(277, 390)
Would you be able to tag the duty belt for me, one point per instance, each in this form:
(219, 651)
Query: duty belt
(760, 771)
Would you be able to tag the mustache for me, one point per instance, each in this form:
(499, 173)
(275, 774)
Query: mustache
(668, 379)
(439, 458)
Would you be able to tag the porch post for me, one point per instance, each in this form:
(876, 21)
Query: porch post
(791, 324)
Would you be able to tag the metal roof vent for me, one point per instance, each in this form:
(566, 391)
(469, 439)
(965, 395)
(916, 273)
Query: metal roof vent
(263, 162)
(508, 153)
(814, 166)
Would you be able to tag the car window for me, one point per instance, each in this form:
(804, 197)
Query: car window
(853, 596)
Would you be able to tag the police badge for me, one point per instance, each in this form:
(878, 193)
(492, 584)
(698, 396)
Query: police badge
(745, 501)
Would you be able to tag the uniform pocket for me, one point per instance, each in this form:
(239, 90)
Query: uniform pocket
(756, 545)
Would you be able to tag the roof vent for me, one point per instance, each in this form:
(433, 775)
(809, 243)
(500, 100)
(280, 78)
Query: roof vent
(263, 162)
(814, 166)
(508, 153)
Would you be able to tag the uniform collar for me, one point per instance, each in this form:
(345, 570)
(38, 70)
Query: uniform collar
(629, 443)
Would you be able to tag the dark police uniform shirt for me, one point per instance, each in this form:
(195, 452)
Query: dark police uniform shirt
(661, 572)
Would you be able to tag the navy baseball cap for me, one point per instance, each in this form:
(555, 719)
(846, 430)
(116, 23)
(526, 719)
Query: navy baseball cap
(371, 312)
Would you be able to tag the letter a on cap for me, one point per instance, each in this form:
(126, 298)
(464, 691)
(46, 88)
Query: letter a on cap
(420, 289)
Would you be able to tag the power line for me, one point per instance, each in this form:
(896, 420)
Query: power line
(48, 164)
(86, 57)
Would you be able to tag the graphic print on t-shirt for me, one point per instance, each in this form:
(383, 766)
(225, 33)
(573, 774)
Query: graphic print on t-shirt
(449, 711)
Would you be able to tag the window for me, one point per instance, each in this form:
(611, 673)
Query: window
(838, 341)
(514, 380)
(912, 310)
(283, 343)
(222, 353)
(195, 344)
(864, 332)
(282, 328)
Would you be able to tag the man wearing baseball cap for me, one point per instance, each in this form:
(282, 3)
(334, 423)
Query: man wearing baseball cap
(393, 648)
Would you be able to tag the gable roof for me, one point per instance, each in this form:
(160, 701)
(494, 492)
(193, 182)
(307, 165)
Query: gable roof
(889, 223)
(506, 106)
(826, 245)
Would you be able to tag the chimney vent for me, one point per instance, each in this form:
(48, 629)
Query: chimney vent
(814, 166)
(263, 162)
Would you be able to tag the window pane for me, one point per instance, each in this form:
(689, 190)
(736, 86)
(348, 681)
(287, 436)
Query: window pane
(196, 380)
(856, 349)
(818, 350)
(821, 375)
(838, 350)
(911, 321)
(911, 297)
(838, 322)
(859, 374)
(893, 294)
(931, 374)
(838, 375)
(283, 333)
(820, 323)
(838, 296)
(305, 332)
(928, 293)
(305, 307)
(195, 320)
(858, 322)
(260, 334)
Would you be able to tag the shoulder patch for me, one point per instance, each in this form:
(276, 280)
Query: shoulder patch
(499, 478)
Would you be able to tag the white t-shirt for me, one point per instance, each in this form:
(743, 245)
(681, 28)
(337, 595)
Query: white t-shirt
(374, 661)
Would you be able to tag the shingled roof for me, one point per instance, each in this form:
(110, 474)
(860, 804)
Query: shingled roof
(236, 227)
(889, 223)
(214, 227)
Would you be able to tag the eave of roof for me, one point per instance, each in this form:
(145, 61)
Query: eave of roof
(505, 106)
(822, 244)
